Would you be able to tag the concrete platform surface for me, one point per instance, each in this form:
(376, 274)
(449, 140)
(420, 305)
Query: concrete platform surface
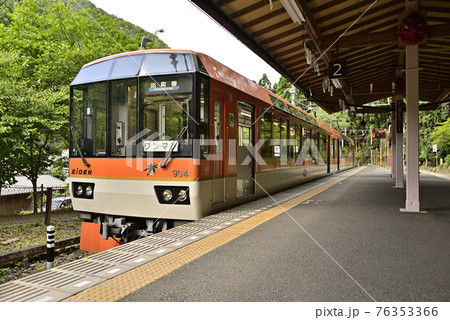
(347, 243)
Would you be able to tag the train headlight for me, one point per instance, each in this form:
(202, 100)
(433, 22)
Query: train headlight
(79, 191)
(176, 195)
(167, 195)
(89, 191)
(182, 195)
(83, 190)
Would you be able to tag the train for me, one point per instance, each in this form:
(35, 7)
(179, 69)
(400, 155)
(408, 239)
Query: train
(161, 137)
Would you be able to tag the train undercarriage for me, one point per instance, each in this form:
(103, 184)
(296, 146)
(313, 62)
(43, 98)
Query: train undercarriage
(126, 229)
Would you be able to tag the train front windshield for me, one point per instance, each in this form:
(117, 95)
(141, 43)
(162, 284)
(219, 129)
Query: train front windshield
(166, 109)
(142, 116)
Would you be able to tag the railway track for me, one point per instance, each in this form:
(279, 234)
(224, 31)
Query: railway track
(22, 254)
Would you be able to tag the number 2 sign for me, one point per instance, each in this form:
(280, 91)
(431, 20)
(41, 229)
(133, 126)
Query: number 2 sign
(337, 69)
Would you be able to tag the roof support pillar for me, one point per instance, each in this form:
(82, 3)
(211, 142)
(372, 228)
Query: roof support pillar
(397, 145)
(398, 148)
(393, 144)
(412, 122)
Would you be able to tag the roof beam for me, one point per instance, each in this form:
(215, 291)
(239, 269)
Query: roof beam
(263, 18)
(238, 31)
(248, 10)
(293, 31)
(272, 28)
(385, 37)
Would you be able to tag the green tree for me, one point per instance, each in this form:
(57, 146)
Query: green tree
(42, 50)
(281, 89)
(6, 8)
(441, 137)
(54, 41)
(265, 82)
(31, 123)
(428, 120)
(7, 141)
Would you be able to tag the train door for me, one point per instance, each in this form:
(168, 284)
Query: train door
(328, 154)
(245, 160)
(218, 150)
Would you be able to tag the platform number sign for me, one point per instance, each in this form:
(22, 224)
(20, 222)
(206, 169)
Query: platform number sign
(337, 69)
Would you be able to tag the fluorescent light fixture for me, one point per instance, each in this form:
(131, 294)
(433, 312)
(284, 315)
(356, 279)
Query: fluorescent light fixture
(293, 10)
(337, 83)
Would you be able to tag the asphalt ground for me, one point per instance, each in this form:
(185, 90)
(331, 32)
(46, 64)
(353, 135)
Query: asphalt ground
(348, 243)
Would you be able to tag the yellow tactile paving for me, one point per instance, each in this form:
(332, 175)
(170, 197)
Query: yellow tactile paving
(99, 293)
(132, 282)
(122, 285)
(439, 175)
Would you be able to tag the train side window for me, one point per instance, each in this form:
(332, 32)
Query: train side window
(89, 119)
(298, 137)
(315, 147)
(306, 148)
(333, 149)
(123, 109)
(292, 147)
(218, 127)
(323, 147)
(295, 135)
(204, 116)
(266, 133)
(284, 124)
(276, 136)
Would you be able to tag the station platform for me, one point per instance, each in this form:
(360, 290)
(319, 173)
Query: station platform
(339, 238)
(349, 242)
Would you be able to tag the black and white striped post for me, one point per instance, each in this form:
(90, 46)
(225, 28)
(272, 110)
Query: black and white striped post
(50, 246)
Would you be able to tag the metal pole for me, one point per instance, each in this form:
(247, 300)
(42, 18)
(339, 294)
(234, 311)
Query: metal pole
(436, 159)
(393, 141)
(371, 150)
(50, 246)
(48, 206)
(388, 156)
(42, 197)
(381, 152)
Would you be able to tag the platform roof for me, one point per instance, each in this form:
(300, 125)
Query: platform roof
(362, 33)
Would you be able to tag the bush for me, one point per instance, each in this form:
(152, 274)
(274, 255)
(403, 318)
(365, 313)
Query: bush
(447, 159)
(421, 159)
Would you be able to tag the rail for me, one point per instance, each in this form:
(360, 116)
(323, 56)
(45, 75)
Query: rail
(21, 254)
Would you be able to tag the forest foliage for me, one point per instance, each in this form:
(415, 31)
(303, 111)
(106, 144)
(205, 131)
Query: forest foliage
(43, 45)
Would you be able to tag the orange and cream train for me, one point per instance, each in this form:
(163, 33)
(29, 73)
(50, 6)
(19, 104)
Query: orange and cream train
(162, 137)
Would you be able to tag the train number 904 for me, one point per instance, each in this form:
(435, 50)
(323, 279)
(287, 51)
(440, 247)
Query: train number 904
(180, 173)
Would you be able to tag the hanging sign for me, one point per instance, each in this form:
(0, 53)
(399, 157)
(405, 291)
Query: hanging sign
(337, 69)
(277, 151)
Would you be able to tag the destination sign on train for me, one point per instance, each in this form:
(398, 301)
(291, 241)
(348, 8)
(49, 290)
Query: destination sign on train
(162, 86)
(160, 146)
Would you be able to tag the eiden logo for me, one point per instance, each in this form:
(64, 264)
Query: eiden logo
(81, 171)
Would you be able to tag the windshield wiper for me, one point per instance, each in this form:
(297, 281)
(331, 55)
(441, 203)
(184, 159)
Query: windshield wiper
(167, 158)
(78, 148)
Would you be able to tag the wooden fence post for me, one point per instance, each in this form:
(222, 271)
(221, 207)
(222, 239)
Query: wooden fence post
(48, 206)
